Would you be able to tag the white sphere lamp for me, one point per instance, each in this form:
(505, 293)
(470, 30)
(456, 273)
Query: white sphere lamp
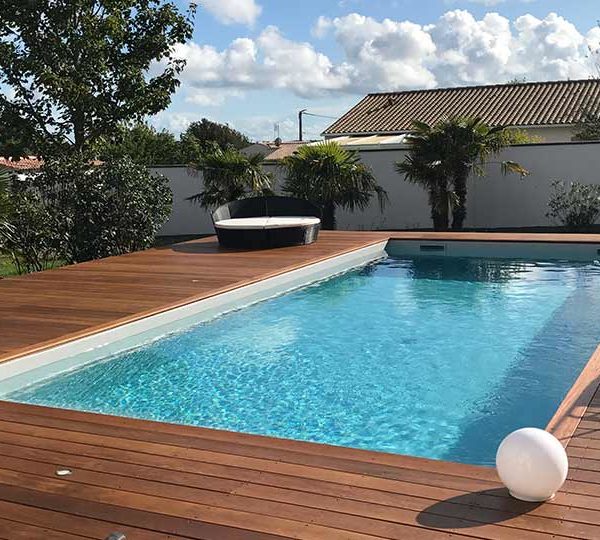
(532, 464)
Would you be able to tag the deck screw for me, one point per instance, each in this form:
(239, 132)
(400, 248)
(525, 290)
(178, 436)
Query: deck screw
(64, 472)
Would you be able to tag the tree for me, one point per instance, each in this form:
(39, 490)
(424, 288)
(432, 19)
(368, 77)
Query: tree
(201, 136)
(441, 158)
(229, 175)
(144, 145)
(79, 69)
(331, 177)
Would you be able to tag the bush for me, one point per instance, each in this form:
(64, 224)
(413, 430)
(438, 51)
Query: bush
(76, 211)
(27, 231)
(574, 205)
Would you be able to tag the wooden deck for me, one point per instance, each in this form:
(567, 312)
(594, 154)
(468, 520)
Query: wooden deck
(157, 481)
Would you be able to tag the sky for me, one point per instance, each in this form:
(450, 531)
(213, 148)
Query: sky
(254, 63)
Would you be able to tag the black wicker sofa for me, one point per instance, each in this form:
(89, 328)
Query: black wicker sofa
(266, 222)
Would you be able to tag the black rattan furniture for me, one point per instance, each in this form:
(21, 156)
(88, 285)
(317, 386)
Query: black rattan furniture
(267, 222)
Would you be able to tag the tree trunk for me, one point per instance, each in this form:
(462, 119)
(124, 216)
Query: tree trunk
(328, 218)
(459, 212)
(438, 200)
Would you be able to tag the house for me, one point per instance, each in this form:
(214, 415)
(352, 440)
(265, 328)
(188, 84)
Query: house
(549, 111)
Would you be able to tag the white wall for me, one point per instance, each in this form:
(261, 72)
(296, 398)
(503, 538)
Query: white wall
(493, 201)
(186, 217)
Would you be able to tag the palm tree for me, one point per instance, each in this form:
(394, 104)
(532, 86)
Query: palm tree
(331, 177)
(229, 175)
(441, 158)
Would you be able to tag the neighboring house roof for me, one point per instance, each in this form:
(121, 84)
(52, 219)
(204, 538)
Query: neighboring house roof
(28, 163)
(273, 151)
(553, 103)
(284, 149)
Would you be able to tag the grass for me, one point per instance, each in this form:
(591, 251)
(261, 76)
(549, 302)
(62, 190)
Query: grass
(7, 268)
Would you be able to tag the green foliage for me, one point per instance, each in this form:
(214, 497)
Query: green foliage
(17, 139)
(201, 136)
(229, 175)
(27, 230)
(81, 68)
(331, 177)
(574, 205)
(589, 128)
(518, 136)
(441, 158)
(144, 145)
(5, 204)
(74, 211)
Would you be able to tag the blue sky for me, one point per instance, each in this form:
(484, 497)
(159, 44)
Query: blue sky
(253, 63)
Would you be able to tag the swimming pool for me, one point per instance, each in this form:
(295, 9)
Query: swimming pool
(413, 354)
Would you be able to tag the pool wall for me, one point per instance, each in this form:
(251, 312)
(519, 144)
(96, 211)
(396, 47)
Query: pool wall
(496, 250)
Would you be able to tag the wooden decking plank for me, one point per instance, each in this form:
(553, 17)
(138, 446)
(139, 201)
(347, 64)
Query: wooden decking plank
(403, 525)
(356, 469)
(195, 473)
(211, 440)
(339, 526)
(407, 513)
(15, 530)
(72, 524)
(126, 518)
(170, 461)
(185, 435)
(505, 513)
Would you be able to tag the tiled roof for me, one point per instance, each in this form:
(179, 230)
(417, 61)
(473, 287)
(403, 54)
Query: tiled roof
(283, 150)
(524, 104)
(23, 164)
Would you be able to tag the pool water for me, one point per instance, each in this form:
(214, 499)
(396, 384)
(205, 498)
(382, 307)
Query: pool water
(429, 356)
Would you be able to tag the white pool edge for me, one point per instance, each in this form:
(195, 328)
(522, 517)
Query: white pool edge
(34, 367)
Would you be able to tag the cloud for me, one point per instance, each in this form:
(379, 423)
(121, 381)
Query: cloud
(270, 61)
(233, 11)
(383, 55)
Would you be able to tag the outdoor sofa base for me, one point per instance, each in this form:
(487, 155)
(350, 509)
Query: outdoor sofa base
(253, 238)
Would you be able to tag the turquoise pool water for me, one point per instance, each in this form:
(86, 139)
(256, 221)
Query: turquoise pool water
(427, 356)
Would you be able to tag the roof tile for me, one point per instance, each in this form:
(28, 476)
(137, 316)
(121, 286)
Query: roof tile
(521, 104)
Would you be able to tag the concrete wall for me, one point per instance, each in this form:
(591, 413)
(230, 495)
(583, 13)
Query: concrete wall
(493, 201)
(186, 217)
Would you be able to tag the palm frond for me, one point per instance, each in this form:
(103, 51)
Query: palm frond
(328, 173)
(229, 175)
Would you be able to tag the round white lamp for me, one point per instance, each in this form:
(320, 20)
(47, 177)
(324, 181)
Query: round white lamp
(532, 464)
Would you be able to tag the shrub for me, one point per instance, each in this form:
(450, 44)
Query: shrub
(75, 211)
(27, 231)
(573, 204)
